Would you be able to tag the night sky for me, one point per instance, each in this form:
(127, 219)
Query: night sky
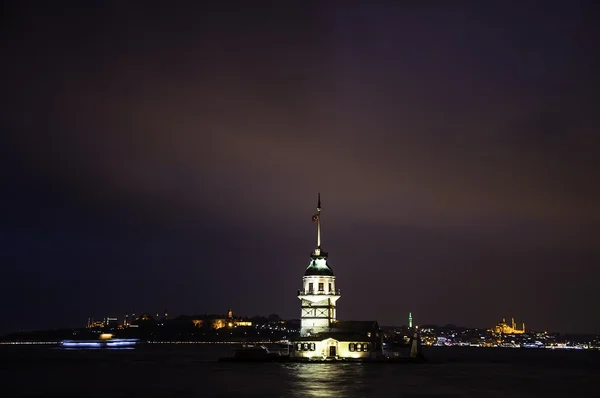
(169, 157)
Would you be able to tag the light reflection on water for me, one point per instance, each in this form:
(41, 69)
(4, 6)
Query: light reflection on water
(325, 379)
(93, 348)
(190, 372)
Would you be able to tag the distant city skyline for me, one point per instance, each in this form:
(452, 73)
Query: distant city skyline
(169, 157)
(500, 326)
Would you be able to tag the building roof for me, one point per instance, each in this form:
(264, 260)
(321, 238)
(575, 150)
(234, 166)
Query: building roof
(346, 331)
(355, 326)
(336, 336)
(318, 267)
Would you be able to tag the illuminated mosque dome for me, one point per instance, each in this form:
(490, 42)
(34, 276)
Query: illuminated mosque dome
(146, 317)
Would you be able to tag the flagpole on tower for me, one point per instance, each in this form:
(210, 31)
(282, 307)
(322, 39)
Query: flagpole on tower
(319, 221)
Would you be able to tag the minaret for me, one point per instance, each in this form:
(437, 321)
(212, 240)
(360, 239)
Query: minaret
(318, 295)
(410, 320)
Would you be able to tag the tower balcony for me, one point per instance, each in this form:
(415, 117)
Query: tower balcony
(319, 293)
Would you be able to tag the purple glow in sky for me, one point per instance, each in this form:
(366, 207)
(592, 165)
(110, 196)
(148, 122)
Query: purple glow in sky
(169, 157)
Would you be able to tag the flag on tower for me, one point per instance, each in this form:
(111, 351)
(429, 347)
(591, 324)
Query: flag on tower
(315, 218)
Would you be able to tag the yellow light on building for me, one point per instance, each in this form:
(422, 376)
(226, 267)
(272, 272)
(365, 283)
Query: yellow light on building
(218, 323)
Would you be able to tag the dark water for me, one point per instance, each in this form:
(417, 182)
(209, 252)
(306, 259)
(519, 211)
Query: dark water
(191, 371)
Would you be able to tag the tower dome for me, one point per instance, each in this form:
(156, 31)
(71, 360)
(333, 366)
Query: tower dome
(318, 266)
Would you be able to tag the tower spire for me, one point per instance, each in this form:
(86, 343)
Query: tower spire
(316, 218)
(319, 220)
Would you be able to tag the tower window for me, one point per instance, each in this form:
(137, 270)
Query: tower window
(321, 287)
(330, 287)
(310, 287)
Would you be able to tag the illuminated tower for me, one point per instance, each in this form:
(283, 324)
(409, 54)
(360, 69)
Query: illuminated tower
(318, 294)
(410, 320)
